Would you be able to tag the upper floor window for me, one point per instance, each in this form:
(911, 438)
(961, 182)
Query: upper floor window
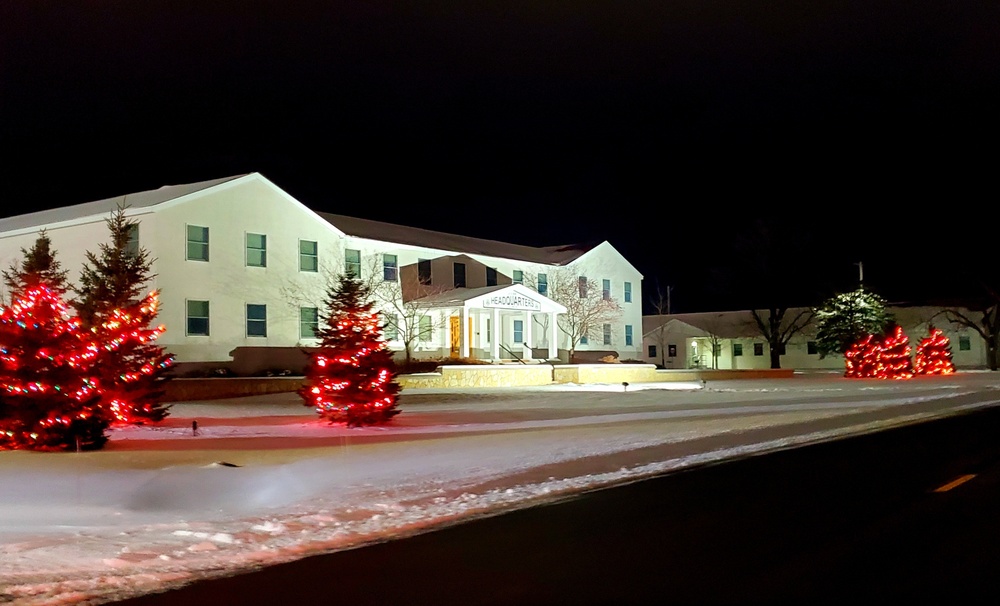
(390, 268)
(424, 271)
(256, 250)
(628, 335)
(197, 243)
(197, 318)
(607, 334)
(352, 262)
(132, 245)
(308, 255)
(491, 276)
(308, 322)
(459, 275)
(582, 284)
(543, 284)
(606, 290)
(628, 292)
(256, 320)
(518, 277)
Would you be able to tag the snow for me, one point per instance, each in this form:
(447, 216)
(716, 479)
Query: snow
(264, 481)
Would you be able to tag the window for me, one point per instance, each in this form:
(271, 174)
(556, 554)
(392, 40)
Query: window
(607, 334)
(424, 271)
(737, 349)
(197, 243)
(256, 250)
(583, 340)
(256, 320)
(425, 328)
(308, 255)
(758, 349)
(518, 331)
(652, 352)
(489, 338)
(132, 246)
(964, 343)
(491, 276)
(352, 262)
(582, 285)
(459, 275)
(518, 276)
(308, 322)
(628, 292)
(781, 349)
(390, 330)
(390, 268)
(671, 350)
(628, 335)
(606, 290)
(197, 318)
(543, 284)
(811, 348)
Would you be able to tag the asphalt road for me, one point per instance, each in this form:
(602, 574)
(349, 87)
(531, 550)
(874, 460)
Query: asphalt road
(902, 514)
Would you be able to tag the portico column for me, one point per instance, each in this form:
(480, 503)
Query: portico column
(495, 334)
(463, 329)
(527, 335)
(553, 346)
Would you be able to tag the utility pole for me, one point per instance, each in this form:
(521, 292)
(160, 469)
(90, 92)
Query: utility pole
(861, 273)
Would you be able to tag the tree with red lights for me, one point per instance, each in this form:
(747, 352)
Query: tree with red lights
(895, 355)
(934, 354)
(350, 376)
(48, 400)
(109, 303)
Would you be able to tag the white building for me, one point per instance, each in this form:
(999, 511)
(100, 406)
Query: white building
(243, 269)
(684, 341)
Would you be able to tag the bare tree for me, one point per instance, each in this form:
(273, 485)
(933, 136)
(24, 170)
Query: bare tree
(660, 302)
(777, 331)
(983, 316)
(587, 308)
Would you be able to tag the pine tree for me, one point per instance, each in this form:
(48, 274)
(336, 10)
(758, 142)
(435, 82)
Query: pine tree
(49, 401)
(895, 355)
(862, 358)
(39, 266)
(350, 376)
(934, 354)
(845, 319)
(131, 375)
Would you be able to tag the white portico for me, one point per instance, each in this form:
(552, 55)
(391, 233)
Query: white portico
(498, 322)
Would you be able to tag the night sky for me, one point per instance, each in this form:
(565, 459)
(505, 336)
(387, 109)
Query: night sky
(664, 127)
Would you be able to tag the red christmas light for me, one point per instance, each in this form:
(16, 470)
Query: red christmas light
(875, 358)
(934, 355)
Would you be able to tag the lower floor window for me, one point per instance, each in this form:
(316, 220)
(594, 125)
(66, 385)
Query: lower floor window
(425, 328)
(518, 331)
(652, 351)
(607, 334)
(197, 318)
(308, 322)
(964, 343)
(628, 335)
(256, 320)
(737, 349)
(390, 330)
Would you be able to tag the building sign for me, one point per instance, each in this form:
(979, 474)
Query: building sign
(511, 300)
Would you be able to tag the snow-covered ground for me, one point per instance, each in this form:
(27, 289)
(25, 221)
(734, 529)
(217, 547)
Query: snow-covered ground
(264, 481)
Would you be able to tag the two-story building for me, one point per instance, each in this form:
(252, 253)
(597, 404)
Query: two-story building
(241, 265)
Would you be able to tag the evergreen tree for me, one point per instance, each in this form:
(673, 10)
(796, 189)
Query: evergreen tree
(49, 401)
(895, 359)
(845, 319)
(861, 358)
(39, 266)
(350, 376)
(934, 354)
(131, 375)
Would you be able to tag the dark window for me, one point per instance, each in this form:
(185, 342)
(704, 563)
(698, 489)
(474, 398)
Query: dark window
(781, 349)
(132, 246)
(964, 343)
(543, 284)
(582, 282)
(811, 348)
(737, 349)
(197, 318)
(256, 320)
(459, 275)
(671, 350)
(606, 290)
(390, 268)
(652, 351)
(758, 349)
(491, 276)
(424, 271)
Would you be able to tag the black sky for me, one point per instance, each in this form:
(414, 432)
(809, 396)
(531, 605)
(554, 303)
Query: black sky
(664, 127)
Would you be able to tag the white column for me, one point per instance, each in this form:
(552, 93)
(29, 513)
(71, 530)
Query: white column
(463, 329)
(495, 334)
(527, 335)
(553, 346)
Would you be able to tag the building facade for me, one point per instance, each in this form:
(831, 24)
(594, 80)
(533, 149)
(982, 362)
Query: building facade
(243, 266)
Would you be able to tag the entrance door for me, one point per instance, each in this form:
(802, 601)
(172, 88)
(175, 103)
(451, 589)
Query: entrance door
(456, 336)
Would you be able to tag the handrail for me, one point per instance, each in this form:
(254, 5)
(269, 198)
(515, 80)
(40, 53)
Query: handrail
(513, 355)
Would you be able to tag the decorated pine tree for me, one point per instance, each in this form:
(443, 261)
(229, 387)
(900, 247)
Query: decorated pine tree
(110, 304)
(934, 354)
(39, 266)
(862, 358)
(350, 376)
(895, 361)
(49, 401)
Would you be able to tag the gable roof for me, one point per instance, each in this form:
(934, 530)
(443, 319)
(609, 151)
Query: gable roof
(426, 238)
(143, 199)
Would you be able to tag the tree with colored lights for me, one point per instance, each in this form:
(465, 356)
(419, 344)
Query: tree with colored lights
(895, 359)
(847, 318)
(39, 266)
(934, 354)
(130, 374)
(350, 376)
(49, 401)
